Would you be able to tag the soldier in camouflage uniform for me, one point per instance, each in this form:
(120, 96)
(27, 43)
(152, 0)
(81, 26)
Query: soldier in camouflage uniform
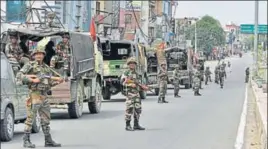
(247, 75)
(224, 67)
(198, 67)
(163, 80)
(62, 54)
(221, 75)
(216, 72)
(196, 83)
(207, 75)
(176, 81)
(37, 101)
(133, 100)
(14, 52)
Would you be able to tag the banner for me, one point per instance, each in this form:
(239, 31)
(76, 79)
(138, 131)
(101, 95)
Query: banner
(16, 11)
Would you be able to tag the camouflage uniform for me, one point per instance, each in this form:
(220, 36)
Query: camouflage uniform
(163, 80)
(247, 75)
(196, 83)
(62, 54)
(37, 101)
(14, 53)
(221, 75)
(224, 66)
(176, 81)
(216, 71)
(200, 75)
(133, 100)
(207, 75)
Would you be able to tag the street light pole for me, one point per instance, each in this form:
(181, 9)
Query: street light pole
(256, 35)
(195, 38)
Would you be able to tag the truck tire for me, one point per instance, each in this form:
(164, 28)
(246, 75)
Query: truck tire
(95, 106)
(75, 108)
(36, 124)
(7, 126)
(156, 90)
(187, 86)
(106, 93)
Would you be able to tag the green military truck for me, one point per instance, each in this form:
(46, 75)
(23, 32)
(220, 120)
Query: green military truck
(179, 56)
(115, 55)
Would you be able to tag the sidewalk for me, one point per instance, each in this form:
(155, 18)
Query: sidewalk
(261, 100)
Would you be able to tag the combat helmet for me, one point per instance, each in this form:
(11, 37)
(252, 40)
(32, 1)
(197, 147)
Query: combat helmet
(39, 49)
(65, 35)
(12, 33)
(131, 60)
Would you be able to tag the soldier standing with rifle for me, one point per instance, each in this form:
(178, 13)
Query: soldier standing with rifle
(40, 78)
(207, 75)
(217, 71)
(163, 80)
(176, 81)
(247, 75)
(221, 75)
(130, 80)
(196, 82)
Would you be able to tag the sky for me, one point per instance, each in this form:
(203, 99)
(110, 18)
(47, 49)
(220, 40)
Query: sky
(239, 12)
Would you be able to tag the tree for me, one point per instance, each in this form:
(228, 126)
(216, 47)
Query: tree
(209, 34)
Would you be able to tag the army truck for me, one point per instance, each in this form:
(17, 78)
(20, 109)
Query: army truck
(115, 57)
(84, 74)
(179, 56)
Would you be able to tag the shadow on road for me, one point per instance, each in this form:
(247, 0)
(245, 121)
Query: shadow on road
(87, 115)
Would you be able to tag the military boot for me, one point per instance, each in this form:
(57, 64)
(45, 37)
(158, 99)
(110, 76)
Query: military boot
(137, 125)
(159, 100)
(50, 143)
(163, 100)
(27, 142)
(176, 95)
(128, 126)
(198, 94)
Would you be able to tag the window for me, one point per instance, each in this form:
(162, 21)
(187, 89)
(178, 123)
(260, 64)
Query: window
(98, 8)
(5, 73)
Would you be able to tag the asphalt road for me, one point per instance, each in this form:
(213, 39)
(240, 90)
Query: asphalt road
(190, 122)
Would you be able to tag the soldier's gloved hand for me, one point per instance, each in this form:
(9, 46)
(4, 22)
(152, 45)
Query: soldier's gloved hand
(35, 80)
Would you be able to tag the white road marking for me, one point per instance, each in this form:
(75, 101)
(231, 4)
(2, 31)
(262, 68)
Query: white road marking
(242, 124)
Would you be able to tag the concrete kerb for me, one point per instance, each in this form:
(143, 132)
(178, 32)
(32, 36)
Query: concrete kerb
(261, 114)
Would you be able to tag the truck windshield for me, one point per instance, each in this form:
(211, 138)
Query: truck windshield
(118, 51)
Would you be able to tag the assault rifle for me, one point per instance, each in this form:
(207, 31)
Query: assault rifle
(43, 76)
(134, 81)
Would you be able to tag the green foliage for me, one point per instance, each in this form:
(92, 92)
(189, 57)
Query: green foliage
(209, 34)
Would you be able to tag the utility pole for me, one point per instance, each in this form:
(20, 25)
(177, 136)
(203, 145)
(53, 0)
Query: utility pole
(256, 35)
(144, 20)
(195, 38)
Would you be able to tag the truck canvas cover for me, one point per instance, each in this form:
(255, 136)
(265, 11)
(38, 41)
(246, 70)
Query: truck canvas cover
(82, 57)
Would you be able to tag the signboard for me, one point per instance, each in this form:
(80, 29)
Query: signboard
(16, 11)
(249, 29)
(136, 5)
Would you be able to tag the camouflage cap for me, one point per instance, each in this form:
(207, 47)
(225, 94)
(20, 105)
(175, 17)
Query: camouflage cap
(39, 49)
(131, 60)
